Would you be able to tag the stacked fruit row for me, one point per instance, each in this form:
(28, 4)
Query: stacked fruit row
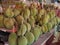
(32, 22)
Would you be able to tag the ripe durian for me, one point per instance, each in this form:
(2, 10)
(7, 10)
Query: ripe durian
(30, 37)
(8, 23)
(9, 13)
(22, 40)
(12, 39)
(22, 30)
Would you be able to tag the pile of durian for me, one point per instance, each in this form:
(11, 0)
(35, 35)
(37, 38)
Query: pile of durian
(32, 21)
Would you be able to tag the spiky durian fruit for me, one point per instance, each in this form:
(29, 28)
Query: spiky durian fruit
(31, 20)
(12, 39)
(26, 13)
(49, 25)
(1, 21)
(52, 14)
(55, 20)
(16, 12)
(36, 32)
(58, 19)
(28, 27)
(9, 12)
(45, 19)
(30, 37)
(39, 28)
(19, 19)
(22, 40)
(43, 29)
(33, 11)
(46, 28)
(8, 23)
(42, 12)
(22, 30)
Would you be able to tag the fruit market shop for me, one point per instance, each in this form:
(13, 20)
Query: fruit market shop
(28, 22)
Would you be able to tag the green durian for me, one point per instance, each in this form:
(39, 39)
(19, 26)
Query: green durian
(12, 40)
(39, 29)
(1, 21)
(38, 18)
(46, 28)
(36, 32)
(33, 11)
(41, 12)
(52, 14)
(8, 23)
(49, 25)
(45, 19)
(58, 19)
(31, 20)
(22, 30)
(26, 13)
(55, 21)
(30, 37)
(9, 13)
(16, 12)
(43, 29)
(28, 26)
(19, 19)
(22, 40)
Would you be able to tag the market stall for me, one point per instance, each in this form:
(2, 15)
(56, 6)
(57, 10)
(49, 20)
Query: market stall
(27, 22)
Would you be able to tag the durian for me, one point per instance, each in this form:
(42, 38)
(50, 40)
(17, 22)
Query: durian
(12, 39)
(36, 32)
(22, 30)
(30, 37)
(22, 40)
(9, 13)
(8, 23)
(19, 19)
(1, 21)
